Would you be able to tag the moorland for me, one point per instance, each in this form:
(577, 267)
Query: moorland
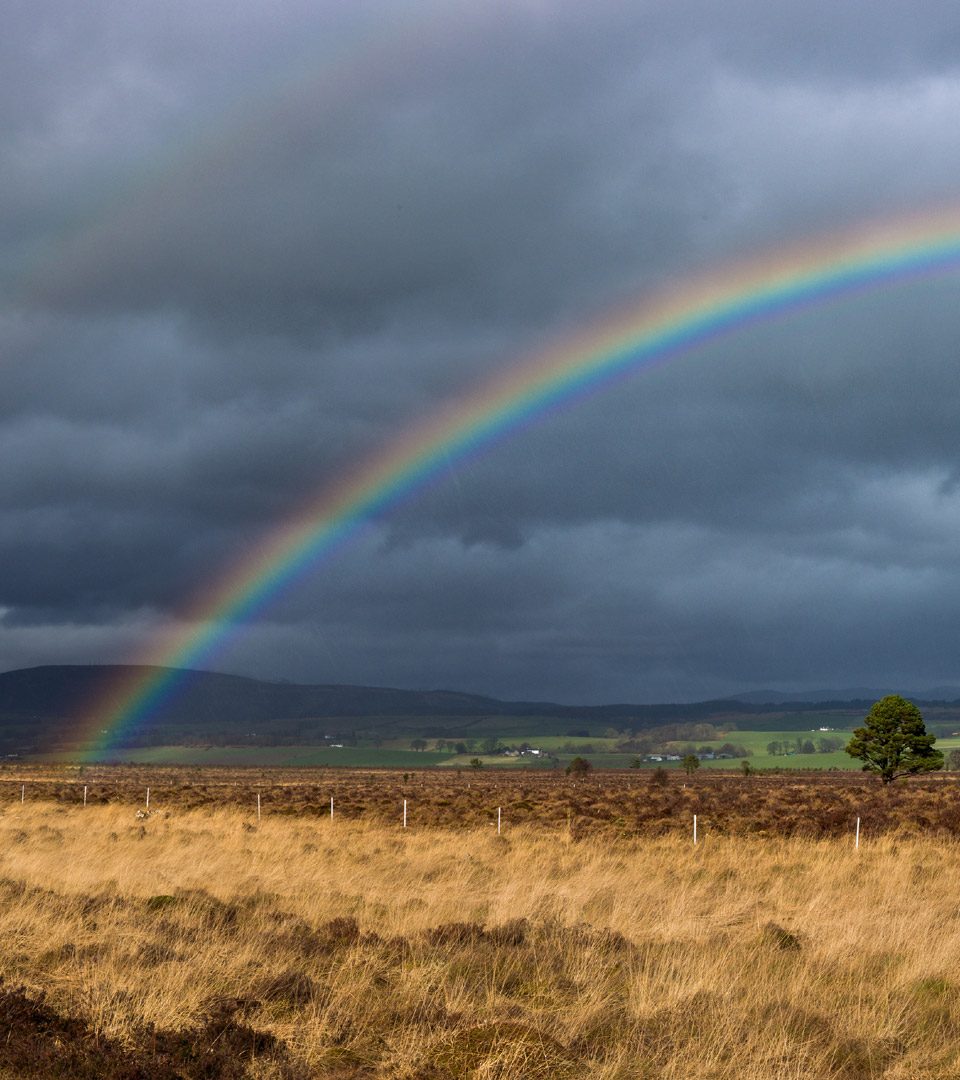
(201, 941)
(607, 802)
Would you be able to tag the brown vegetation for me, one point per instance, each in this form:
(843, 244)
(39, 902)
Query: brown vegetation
(196, 944)
(623, 803)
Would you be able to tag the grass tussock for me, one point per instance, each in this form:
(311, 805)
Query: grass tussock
(186, 945)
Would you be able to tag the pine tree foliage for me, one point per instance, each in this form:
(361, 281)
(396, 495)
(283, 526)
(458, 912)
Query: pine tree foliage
(894, 741)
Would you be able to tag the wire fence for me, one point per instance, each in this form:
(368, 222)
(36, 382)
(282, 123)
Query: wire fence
(581, 807)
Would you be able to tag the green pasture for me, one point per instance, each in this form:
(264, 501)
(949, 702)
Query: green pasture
(757, 742)
(603, 755)
(496, 761)
(837, 760)
(264, 756)
(396, 753)
(553, 743)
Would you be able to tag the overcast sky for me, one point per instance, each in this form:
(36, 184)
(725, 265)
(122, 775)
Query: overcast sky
(243, 245)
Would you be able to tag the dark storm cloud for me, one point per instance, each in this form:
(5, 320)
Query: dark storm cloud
(464, 179)
(241, 248)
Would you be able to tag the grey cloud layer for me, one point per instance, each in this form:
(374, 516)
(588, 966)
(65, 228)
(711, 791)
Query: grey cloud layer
(240, 250)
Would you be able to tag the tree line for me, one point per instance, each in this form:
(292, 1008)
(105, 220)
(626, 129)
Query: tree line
(825, 744)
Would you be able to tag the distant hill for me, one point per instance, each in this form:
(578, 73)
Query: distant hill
(68, 692)
(48, 707)
(848, 694)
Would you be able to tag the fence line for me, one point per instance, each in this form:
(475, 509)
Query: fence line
(405, 819)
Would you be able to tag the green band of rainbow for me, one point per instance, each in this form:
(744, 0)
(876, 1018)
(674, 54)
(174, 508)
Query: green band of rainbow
(682, 317)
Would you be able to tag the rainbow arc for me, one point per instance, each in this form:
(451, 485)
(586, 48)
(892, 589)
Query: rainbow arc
(684, 316)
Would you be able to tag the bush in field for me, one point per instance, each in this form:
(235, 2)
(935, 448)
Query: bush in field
(579, 767)
(690, 763)
(894, 742)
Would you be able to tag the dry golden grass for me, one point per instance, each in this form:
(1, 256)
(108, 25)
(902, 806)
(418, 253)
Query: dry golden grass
(345, 949)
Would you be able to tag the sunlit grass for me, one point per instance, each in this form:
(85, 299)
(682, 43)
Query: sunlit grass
(370, 951)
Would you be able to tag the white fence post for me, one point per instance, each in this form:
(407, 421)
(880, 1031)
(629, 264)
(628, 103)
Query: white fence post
(148, 800)
(23, 792)
(694, 828)
(404, 813)
(84, 794)
(331, 808)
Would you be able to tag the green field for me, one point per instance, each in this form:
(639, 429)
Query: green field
(554, 742)
(266, 756)
(398, 754)
(757, 742)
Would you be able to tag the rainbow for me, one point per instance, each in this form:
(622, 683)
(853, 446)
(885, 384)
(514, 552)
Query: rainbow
(681, 317)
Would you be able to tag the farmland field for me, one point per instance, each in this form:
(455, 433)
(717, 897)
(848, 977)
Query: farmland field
(198, 942)
(399, 754)
(272, 756)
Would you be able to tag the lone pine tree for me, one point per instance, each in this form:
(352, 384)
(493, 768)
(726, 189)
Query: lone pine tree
(893, 741)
